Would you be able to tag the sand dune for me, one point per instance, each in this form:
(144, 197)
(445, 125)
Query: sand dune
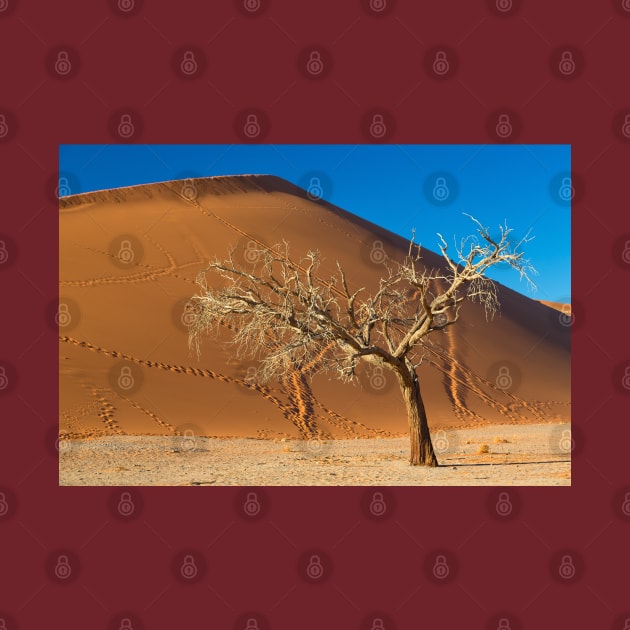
(128, 261)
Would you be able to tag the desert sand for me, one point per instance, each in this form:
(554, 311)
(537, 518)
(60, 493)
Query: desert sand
(128, 262)
(534, 455)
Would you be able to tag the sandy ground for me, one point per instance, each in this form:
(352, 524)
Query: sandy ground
(532, 455)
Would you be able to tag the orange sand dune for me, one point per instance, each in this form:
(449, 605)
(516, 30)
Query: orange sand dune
(128, 261)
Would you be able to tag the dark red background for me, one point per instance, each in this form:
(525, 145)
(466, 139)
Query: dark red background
(252, 568)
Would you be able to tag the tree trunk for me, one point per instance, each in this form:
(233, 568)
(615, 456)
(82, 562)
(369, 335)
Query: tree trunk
(422, 453)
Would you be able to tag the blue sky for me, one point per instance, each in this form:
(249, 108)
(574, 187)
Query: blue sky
(400, 187)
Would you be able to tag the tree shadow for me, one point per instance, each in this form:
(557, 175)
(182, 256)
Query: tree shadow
(550, 461)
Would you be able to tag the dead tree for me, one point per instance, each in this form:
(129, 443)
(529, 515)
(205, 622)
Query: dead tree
(285, 315)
